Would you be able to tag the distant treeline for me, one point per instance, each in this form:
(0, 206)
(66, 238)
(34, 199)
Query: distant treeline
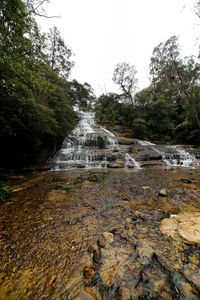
(169, 109)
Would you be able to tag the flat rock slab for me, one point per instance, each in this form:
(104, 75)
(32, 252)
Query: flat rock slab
(185, 224)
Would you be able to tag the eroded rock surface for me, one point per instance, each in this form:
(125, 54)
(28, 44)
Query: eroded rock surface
(186, 225)
(65, 236)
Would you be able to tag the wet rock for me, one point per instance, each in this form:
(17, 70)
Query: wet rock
(126, 141)
(163, 193)
(109, 237)
(94, 292)
(128, 220)
(145, 254)
(167, 207)
(88, 273)
(154, 156)
(124, 294)
(91, 249)
(108, 274)
(190, 231)
(185, 180)
(97, 256)
(146, 187)
(168, 226)
(101, 243)
(187, 217)
(16, 177)
(136, 292)
(192, 273)
(184, 287)
(116, 164)
(141, 229)
(150, 156)
(185, 224)
(84, 296)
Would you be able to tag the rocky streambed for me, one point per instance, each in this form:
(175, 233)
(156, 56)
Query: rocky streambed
(102, 234)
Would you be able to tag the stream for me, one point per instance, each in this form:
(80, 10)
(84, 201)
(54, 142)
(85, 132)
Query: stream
(116, 218)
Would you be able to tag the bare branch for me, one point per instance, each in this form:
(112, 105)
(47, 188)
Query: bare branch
(34, 10)
(44, 16)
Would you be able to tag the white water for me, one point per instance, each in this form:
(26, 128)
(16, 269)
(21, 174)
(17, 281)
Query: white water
(175, 156)
(145, 143)
(82, 147)
(178, 157)
(91, 146)
(131, 162)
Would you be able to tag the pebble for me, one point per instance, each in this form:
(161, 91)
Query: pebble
(109, 237)
(163, 193)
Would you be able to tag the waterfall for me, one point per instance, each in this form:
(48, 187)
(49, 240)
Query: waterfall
(174, 155)
(92, 146)
(177, 156)
(131, 162)
(87, 146)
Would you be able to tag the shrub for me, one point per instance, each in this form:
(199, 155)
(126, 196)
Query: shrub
(4, 192)
(97, 177)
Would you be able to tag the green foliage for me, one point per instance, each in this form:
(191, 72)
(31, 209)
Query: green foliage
(58, 54)
(4, 192)
(125, 76)
(164, 216)
(139, 128)
(99, 177)
(67, 188)
(108, 108)
(130, 150)
(160, 112)
(101, 142)
(81, 95)
(35, 110)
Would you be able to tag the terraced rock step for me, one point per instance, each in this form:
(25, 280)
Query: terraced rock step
(92, 146)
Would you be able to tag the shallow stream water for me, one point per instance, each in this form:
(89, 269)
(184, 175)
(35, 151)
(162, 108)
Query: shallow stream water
(79, 234)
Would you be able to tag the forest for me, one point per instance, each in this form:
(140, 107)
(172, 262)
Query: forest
(37, 98)
(168, 110)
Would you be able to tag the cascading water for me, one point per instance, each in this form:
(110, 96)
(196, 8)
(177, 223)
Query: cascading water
(86, 147)
(174, 155)
(177, 156)
(92, 146)
(145, 143)
(131, 162)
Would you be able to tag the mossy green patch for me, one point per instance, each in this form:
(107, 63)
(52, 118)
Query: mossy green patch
(67, 188)
(99, 177)
(164, 216)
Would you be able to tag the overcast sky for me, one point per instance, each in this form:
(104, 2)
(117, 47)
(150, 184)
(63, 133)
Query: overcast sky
(102, 33)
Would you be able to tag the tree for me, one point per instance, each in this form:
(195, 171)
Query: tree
(197, 8)
(125, 77)
(108, 109)
(35, 8)
(165, 60)
(166, 65)
(81, 95)
(35, 110)
(58, 53)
